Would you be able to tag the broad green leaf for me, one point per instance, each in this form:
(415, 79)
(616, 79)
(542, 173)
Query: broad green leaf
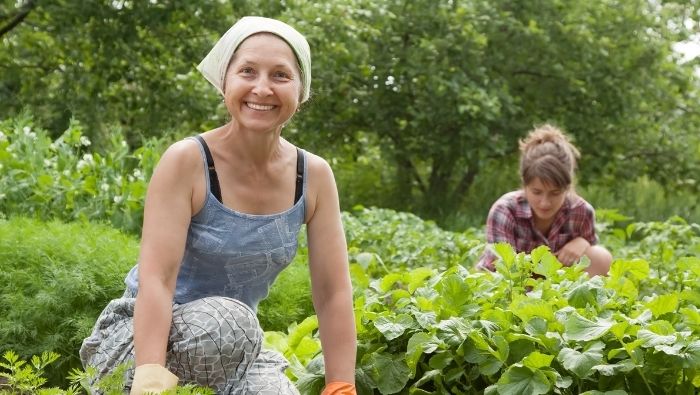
(416, 278)
(476, 349)
(359, 276)
(547, 264)
(518, 380)
(506, 252)
(388, 281)
(689, 265)
(307, 347)
(651, 339)
(527, 308)
(662, 304)
(427, 376)
(619, 329)
(637, 269)
(393, 327)
(490, 366)
(537, 360)
(583, 329)
(454, 291)
(418, 344)
(580, 363)
(614, 392)
(276, 341)
(440, 360)
(537, 253)
(691, 316)
(426, 319)
(690, 354)
(298, 332)
(623, 366)
(582, 295)
(389, 372)
(502, 348)
(536, 326)
(661, 327)
(452, 331)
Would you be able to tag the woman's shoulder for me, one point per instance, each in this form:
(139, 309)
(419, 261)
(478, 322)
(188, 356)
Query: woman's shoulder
(316, 165)
(185, 149)
(181, 156)
(577, 203)
(511, 199)
(511, 204)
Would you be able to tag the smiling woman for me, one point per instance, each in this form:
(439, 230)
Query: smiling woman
(221, 220)
(547, 210)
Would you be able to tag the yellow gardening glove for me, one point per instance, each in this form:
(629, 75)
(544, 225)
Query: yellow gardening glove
(339, 388)
(152, 378)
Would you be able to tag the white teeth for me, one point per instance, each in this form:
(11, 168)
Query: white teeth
(259, 107)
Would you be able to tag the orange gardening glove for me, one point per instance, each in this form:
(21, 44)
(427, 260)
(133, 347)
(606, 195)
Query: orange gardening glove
(339, 388)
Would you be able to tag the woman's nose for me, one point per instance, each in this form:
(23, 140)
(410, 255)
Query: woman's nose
(262, 87)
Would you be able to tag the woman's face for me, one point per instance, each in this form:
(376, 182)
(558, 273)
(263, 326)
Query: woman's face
(263, 83)
(544, 199)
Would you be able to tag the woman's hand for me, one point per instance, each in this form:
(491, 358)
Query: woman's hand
(152, 378)
(572, 251)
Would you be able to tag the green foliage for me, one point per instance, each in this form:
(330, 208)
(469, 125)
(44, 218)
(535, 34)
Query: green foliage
(380, 240)
(645, 199)
(427, 322)
(67, 180)
(289, 300)
(23, 378)
(439, 111)
(429, 330)
(55, 280)
(121, 63)
(411, 100)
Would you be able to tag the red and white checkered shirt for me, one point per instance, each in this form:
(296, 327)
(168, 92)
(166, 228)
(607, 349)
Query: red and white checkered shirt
(510, 220)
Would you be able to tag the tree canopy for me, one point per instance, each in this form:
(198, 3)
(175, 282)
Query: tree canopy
(443, 88)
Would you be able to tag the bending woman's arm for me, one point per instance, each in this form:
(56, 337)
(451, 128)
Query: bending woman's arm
(167, 214)
(330, 277)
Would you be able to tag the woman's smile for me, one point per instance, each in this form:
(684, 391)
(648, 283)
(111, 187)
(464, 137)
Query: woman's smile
(259, 107)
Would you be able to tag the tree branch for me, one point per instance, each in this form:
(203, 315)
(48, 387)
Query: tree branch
(18, 18)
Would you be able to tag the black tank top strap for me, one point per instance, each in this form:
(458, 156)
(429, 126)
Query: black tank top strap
(300, 176)
(213, 178)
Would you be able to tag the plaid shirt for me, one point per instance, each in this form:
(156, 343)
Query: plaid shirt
(510, 220)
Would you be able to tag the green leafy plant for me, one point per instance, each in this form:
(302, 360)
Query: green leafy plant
(55, 280)
(27, 379)
(64, 178)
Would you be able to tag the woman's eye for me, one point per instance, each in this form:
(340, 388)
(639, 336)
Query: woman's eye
(247, 70)
(281, 75)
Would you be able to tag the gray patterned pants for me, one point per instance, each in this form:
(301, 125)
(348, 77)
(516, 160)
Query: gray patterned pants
(214, 342)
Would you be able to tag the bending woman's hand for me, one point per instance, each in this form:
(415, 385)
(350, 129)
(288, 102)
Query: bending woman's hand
(572, 251)
(339, 388)
(152, 378)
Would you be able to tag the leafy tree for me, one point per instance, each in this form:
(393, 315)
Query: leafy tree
(448, 87)
(129, 63)
(437, 91)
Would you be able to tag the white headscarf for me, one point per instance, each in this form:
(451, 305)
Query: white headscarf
(214, 65)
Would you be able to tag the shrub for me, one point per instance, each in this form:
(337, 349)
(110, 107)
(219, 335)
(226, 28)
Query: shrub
(67, 179)
(55, 280)
(289, 300)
